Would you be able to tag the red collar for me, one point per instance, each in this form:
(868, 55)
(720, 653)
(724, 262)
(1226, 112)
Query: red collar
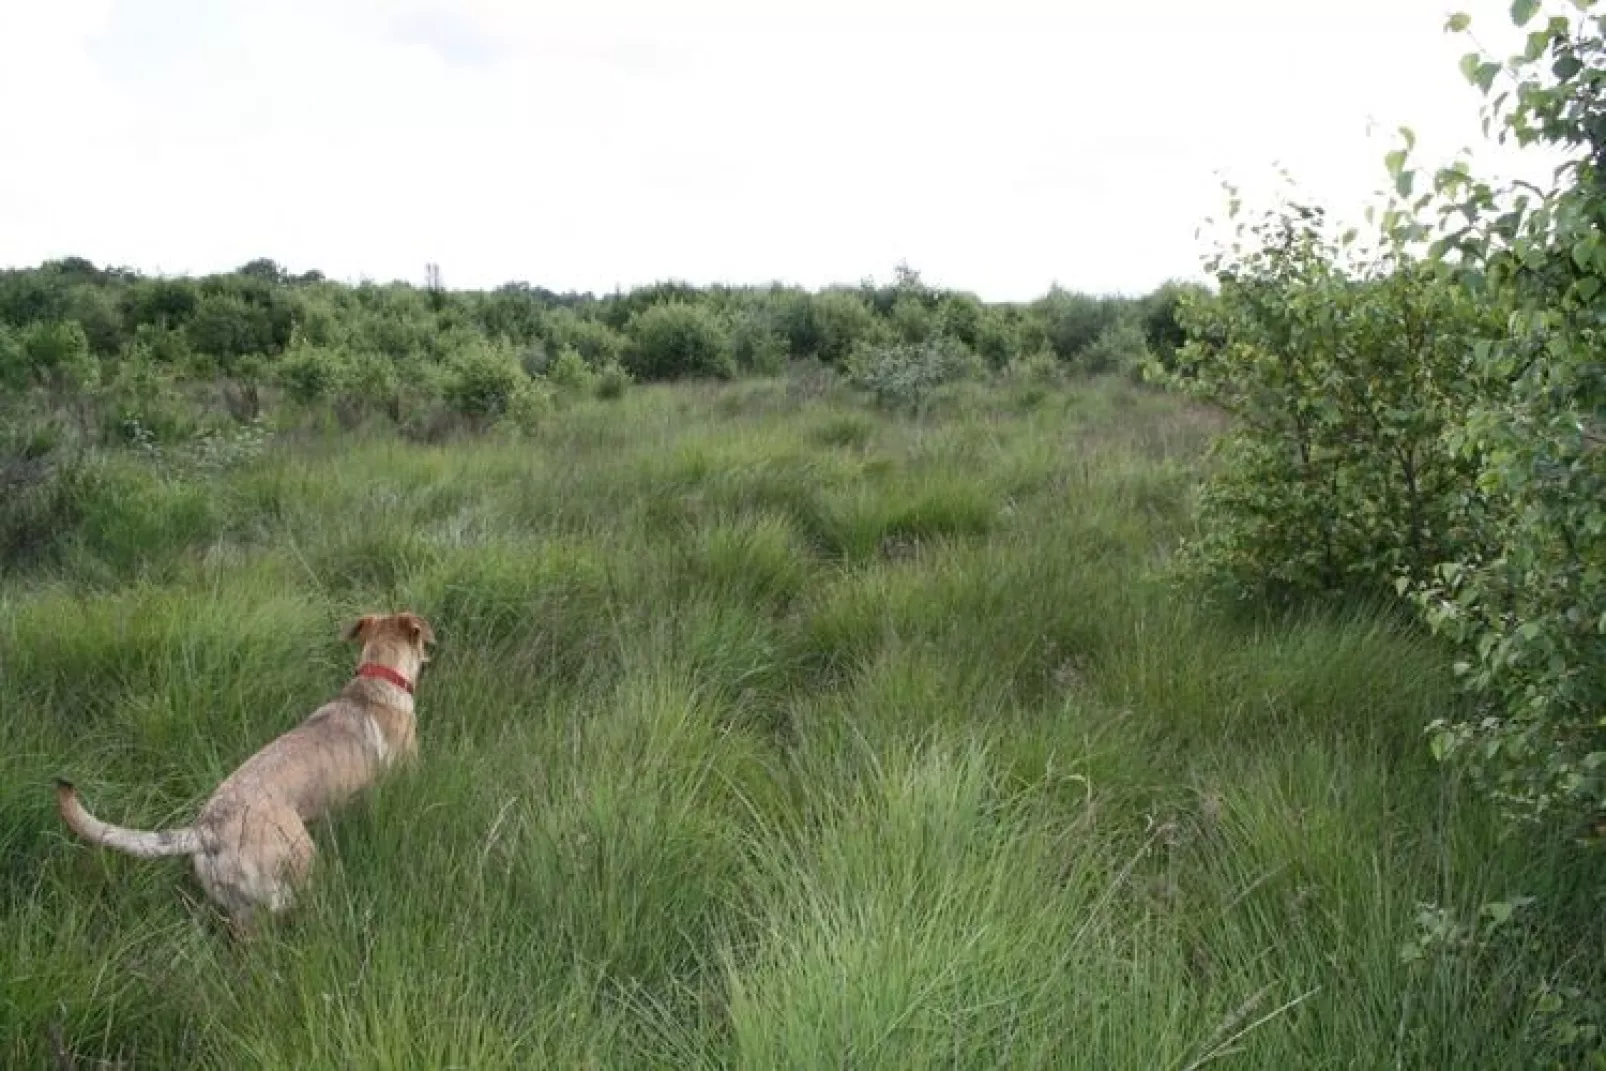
(385, 673)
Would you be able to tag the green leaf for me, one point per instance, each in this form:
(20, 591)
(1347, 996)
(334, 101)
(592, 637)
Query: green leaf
(1458, 22)
(1487, 73)
(1469, 66)
(1439, 746)
(1566, 68)
(1395, 162)
(1523, 11)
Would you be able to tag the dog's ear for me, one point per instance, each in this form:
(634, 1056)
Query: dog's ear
(418, 627)
(358, 629)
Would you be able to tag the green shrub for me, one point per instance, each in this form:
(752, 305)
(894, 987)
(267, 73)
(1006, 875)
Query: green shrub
(528, 408)
(310, 374)
(997, 340)
(1038, 369)
(612, 380)
(370, 384)
(1120, 347)
(1341, 372)
(1159, 314)
(912, 321)
(534, 358)
(841, 322)
(1525, 601)
(757, 346)
(165, 345)
(676, 341)
(596, 342)
(143, 404)
(95, 310)
(569, 371)
(902, 377)
(54, 355)
(234, 320)
(960, 316)
(165, 304)
(482, 381)
(390, 322)
(1072, 322)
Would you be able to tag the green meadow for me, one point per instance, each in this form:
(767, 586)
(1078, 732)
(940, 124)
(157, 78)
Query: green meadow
(766, 729)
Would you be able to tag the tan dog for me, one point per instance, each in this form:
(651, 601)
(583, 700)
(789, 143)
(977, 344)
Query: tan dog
(250, 841)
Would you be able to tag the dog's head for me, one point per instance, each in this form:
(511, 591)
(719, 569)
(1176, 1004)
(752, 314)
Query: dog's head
(400, 641)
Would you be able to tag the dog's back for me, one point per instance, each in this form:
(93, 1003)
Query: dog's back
(250, 842)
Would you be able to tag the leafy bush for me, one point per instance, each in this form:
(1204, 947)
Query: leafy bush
(236, 321)
(369, 384)
(1034, 377)
(163, 303)
(54, 355)
(902, 377)
(165, 345)
(612, 380)
(513, 312)
(390, 322)
(1041, 368)
(912, 321)
(527, 408)
(569, 371)
(1439, 422)
(28, 297)
(1120, 347)
(1071, 322)
(482, 381)
(997, 341)
(757, 346)
(960, 316)
(1526, 603)
(534, 358)
(596, 342)
(840, 321)
(1340, 371)
(359, 385)
(1159, 315)
(310, 373)
(143, 405)
(95, 311)
(678, 340)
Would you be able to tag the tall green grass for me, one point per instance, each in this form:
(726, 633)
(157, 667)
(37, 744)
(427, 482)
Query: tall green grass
(763, 731)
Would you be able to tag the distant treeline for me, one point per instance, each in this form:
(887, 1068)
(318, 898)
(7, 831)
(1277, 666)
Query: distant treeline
(68, 323)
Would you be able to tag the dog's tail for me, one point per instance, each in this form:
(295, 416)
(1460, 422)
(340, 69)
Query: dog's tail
(146, 844)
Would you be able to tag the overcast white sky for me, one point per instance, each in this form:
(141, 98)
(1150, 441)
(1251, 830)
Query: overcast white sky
(997, 146)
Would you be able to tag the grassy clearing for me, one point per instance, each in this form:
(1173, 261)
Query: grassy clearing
(763, 732)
